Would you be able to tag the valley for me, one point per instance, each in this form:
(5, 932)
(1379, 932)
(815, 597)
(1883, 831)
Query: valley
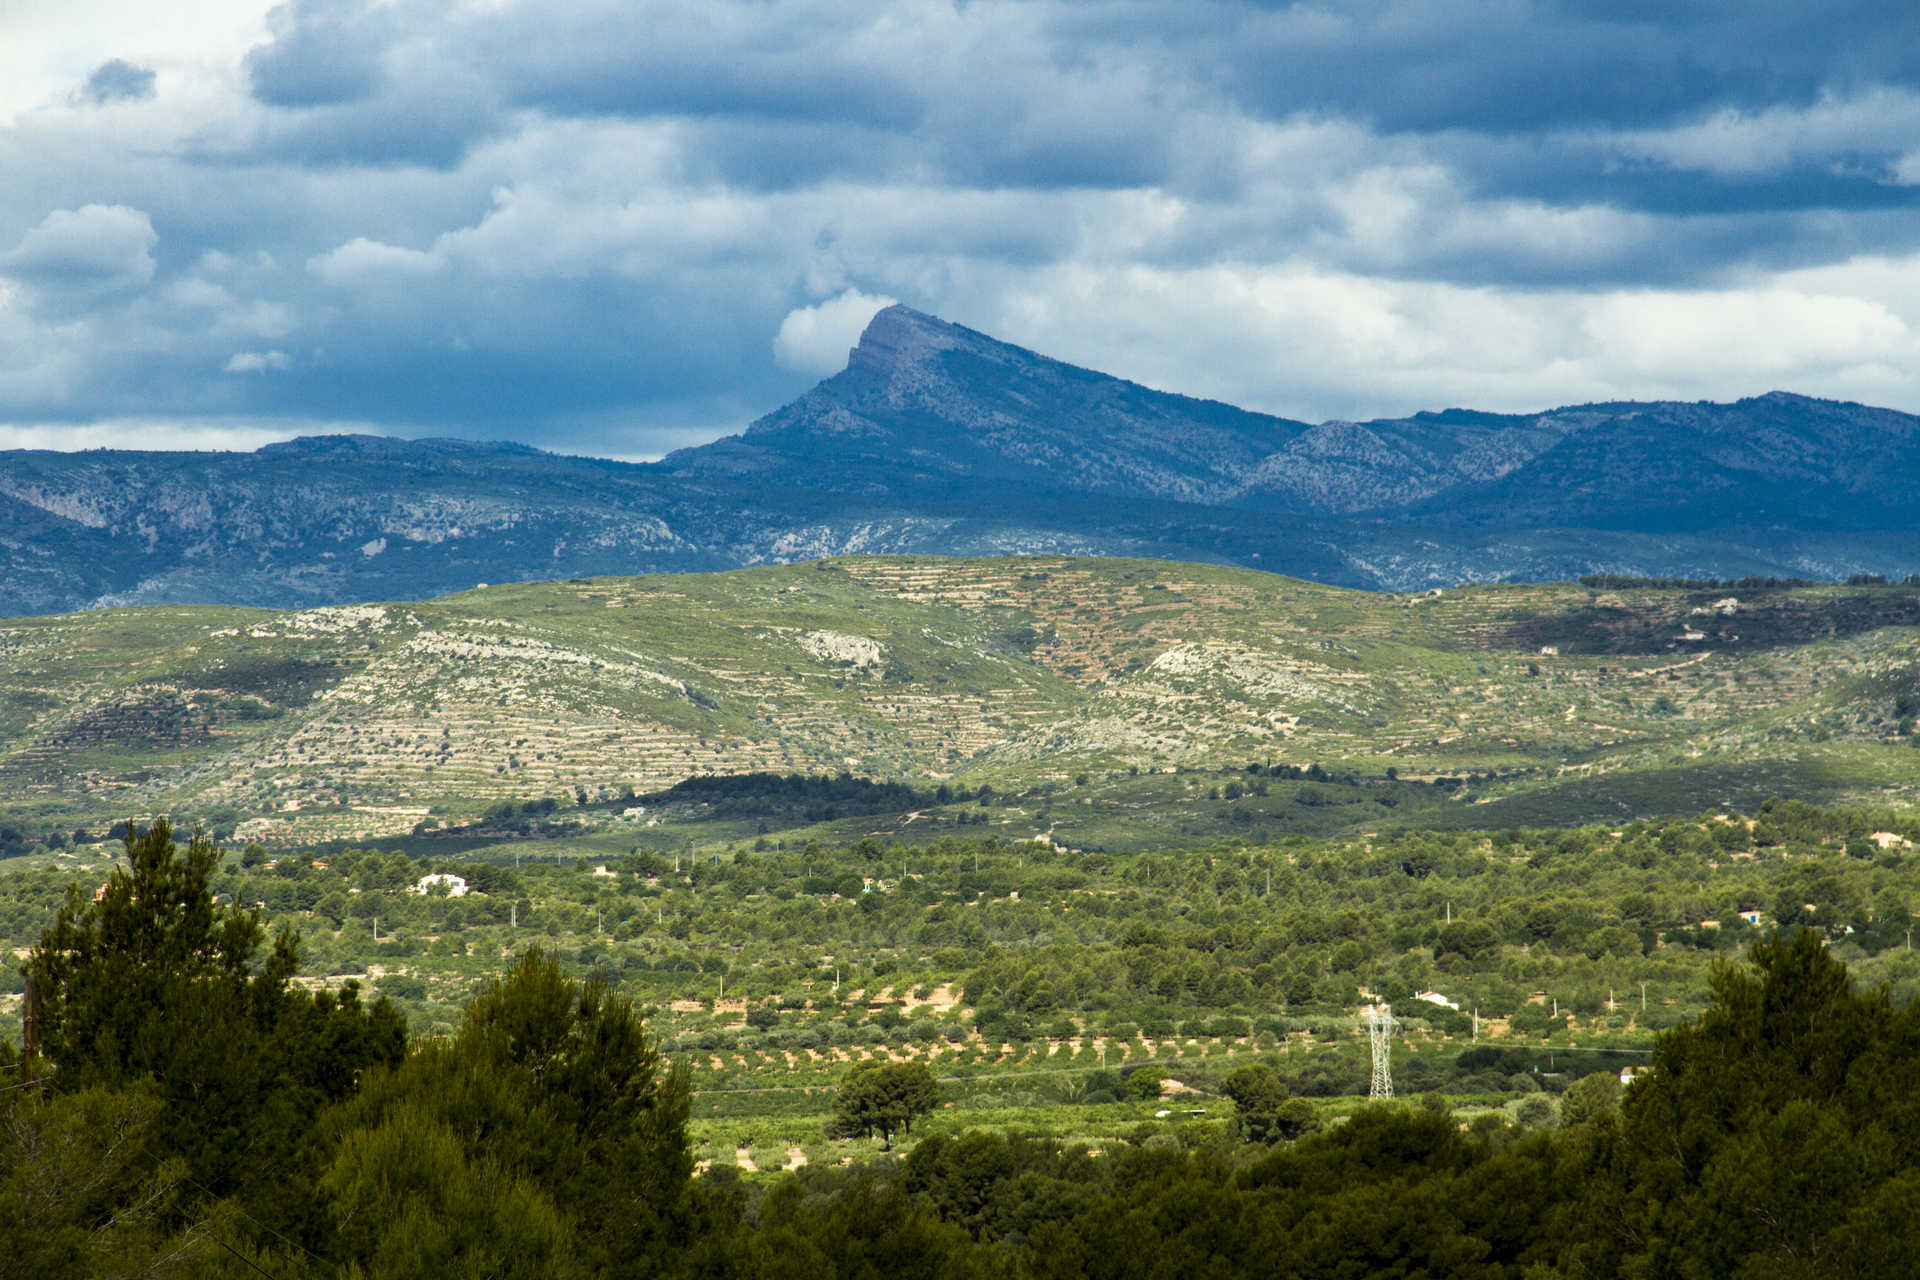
(1087, 839)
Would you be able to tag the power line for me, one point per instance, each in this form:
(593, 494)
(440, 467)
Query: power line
(244, 1258)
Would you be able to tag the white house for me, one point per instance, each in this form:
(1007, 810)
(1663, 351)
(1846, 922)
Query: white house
(456, 887)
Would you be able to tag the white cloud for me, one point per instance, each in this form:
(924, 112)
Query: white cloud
(52, 46)
(94, 246)
(1832, 132)
(360, 260)
(258, 361)
(1772, 335)
(1299, 341)
(817, 339)
(160, 433)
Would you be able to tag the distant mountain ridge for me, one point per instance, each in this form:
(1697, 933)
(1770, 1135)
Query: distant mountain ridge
(939, 439)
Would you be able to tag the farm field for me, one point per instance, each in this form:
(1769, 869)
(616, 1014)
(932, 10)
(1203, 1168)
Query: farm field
(1034, 980)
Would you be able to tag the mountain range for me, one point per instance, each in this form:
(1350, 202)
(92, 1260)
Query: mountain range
(936, 439)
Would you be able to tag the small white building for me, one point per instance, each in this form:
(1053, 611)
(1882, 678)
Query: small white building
(1434, 997)
(456, 886)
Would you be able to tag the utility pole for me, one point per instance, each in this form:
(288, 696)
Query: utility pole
(30, 1030)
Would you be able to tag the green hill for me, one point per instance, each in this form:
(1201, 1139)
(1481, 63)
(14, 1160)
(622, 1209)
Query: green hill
(1554, 702)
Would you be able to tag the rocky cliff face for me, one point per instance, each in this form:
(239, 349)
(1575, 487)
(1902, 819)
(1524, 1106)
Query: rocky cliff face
(939, 439)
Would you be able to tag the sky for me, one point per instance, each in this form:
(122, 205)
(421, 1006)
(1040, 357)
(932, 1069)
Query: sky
(618, 227)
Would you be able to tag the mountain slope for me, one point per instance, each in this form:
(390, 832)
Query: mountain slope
(1775, 460)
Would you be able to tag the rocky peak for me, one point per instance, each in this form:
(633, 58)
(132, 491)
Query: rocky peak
(898, 336)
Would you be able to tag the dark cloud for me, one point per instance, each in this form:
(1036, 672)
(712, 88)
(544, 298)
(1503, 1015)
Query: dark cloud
(1110, 96)
(1519, 66)
(431, 123)
(478, 345)
(628, 69)
(117, 80)
(759, 154)
(322, 52)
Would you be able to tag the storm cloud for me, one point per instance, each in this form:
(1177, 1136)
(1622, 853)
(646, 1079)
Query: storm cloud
(620, 228)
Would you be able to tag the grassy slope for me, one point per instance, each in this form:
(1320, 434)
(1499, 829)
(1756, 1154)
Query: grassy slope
(1025, 673)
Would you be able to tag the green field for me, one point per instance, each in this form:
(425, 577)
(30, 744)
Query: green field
(1028, 976)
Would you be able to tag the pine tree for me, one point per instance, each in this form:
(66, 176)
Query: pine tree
(152, 980)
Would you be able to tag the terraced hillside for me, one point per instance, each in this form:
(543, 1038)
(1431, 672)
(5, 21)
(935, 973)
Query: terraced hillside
(367, 720)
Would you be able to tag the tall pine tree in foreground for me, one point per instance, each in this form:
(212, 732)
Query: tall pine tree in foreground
(545, 1139)
(153, 985)
(1777, 1136)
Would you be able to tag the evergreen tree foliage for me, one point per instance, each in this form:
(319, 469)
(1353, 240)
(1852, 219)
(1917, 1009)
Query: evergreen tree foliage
(549, 1118)
(878, 1096)
(1258, 1097)
(82, 1194)
(1778, 1133)
(152, 981)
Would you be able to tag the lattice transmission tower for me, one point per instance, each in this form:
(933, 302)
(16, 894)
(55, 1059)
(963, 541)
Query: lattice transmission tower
(1380, 1028)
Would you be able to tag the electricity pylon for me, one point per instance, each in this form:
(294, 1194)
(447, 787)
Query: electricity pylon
(1380, 1026)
